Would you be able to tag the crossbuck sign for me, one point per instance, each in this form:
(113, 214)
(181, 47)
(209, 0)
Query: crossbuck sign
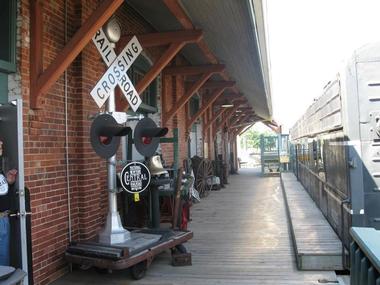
(116, 73)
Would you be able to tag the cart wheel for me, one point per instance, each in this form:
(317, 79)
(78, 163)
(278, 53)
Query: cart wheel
(138, 270)
(202, 176)
(181, 248)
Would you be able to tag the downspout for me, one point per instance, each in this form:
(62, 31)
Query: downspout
(67, 138)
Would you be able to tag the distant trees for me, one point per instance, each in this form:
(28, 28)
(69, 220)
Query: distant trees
(251, 138)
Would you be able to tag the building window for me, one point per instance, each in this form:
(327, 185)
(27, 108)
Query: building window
(149, 97)
(193, 105)
(8, 36)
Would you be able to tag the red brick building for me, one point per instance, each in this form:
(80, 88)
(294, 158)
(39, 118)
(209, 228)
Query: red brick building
(54, 65)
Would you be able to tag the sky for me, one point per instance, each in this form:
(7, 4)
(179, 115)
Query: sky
(308, 42)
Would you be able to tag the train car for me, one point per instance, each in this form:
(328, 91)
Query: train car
(336, 145)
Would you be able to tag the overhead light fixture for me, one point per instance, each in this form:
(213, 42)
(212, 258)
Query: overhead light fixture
(226, 104)
(239, 111)
(112, 29)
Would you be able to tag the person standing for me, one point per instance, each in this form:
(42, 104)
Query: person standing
(6, 182)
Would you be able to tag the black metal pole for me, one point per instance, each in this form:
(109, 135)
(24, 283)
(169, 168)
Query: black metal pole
(154, 192)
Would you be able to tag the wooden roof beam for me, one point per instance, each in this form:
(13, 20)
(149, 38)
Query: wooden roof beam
(175, 46)
(194, 88)
(42, 82)
(215, 117)
(227, 116)
(236, 132)
(192, 70)
(230, 96)
(164, 38)
(240, 131)
(274, 128)
(216, 84)
(176, 9)
(214, 95)
(237, 118)
(246, 119)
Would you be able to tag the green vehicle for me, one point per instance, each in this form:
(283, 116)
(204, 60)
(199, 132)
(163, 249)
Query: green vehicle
(274, 154)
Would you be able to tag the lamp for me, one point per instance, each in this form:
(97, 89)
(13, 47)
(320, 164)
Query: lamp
(226, 104)
(112, 29)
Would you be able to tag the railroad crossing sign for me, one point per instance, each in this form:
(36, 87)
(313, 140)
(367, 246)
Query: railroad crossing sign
(116, 73)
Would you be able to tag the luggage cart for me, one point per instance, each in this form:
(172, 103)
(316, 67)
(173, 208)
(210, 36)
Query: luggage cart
(137, 259)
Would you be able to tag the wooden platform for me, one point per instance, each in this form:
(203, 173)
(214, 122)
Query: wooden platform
(240, 237)
(317, 247)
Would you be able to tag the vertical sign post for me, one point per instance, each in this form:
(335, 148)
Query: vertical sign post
(104, 90)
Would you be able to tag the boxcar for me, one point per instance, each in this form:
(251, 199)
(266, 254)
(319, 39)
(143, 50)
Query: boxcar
(336, 145)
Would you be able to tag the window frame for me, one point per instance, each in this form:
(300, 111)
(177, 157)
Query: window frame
(10, 66)
(139, 69)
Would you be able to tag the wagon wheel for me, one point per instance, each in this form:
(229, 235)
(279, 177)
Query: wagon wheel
(203, 177)
(138, 270)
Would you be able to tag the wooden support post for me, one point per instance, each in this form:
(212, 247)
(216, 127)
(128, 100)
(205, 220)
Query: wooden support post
(186, 97)
(157, 67)
(181, 16)
(242, 125)
(244, 120)
(214, 118)
(205, 138)
(177, 41)
(237, 118)
(36, 49)
(47, 78)
(227, 116)
(168, 55)
(235, 158)
(176, 9)
(244, 129)
(211, 138)
(213, 97)
(237, 131)
(273, 128)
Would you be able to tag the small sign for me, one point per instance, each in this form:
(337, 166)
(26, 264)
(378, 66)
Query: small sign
(3, 185)
(116, 73)
(135, 177)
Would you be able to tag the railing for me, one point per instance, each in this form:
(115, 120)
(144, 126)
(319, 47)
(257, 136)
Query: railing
(329, 201)
(365, 256)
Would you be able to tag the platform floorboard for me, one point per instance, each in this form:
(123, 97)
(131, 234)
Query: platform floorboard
(240, 237)
(317, 246)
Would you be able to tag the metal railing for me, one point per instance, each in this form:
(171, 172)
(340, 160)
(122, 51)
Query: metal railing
(365, 256)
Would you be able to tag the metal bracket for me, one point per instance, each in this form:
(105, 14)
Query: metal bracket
(352, 163)
(20, 214)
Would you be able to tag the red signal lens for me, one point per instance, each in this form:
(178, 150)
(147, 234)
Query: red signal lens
(105, 140)
(146, 140)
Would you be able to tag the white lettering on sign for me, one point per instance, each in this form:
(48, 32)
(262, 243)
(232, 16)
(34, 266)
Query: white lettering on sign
(135, 177)
(117, 71)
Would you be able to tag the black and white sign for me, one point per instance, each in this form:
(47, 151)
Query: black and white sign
(3, 185)
(135, 177)
(117, 70)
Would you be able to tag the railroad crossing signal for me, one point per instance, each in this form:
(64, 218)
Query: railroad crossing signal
(116, 73)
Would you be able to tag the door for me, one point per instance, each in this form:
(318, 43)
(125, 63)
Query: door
(11, 134)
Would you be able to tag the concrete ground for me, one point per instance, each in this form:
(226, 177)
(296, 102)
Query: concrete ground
(241, 236)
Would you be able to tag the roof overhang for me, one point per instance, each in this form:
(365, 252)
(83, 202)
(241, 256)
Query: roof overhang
(234, 32)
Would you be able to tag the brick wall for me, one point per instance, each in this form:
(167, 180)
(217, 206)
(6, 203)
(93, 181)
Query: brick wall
(44, 135)
(173, 88)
